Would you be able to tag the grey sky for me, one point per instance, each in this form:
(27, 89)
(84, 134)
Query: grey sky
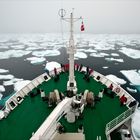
(41, 16)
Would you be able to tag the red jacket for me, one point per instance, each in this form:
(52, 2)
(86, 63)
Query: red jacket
(123, 99)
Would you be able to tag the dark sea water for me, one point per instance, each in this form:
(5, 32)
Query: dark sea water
(20, 68)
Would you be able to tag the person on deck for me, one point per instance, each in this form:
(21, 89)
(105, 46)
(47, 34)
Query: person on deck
(62, 67)
(76, 66)
(55, 71)
(42, 94)
(123, 100)
(66, 67)
(111, 87)
(100, 95)
(80, 68)
(90, 72)
(87, 69)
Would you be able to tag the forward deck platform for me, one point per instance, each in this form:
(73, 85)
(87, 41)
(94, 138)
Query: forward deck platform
(31, 113)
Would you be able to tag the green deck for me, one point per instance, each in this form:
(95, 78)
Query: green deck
(28, 116)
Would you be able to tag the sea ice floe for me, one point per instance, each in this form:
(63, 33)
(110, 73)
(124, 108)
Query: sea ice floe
(46, 53)
(11, 82)
(48, 45)
(44, 44)
(59, 46)
(4, 71)
(4, 47)
(31, 44)
(103, 45)
(33, 48)
(114, 54)
(136, 124)
(100, 46)
(105, 67)
(97, 54)
(115, 79)
(131, 90)
(51, 65)
(1, 95)
(89, 50)
(120, 43)
(80, 55)
(13, 53)
(20, 84)
(17, 47)
(82, 43)
(104, 54)
(36, 60)
(132, 75)
(114, 59)
(80, 50)
(8, 76)
(106, 41)
(91, 44)
(2, 89)
(135, 54)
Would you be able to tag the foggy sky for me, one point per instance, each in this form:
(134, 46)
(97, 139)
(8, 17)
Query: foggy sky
(41, 16)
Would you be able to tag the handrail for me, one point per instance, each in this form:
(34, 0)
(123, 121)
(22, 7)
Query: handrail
(118, 121)
(24, 87)
(104, 80)
(27, 86)
(7, 108)
(22, 90)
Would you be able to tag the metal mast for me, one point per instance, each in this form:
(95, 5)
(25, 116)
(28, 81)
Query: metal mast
(71, 50)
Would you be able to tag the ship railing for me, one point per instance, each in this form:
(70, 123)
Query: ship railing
(118, 121)
(116, 87)
(12, 102)
(34, 83)
(104, 80)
